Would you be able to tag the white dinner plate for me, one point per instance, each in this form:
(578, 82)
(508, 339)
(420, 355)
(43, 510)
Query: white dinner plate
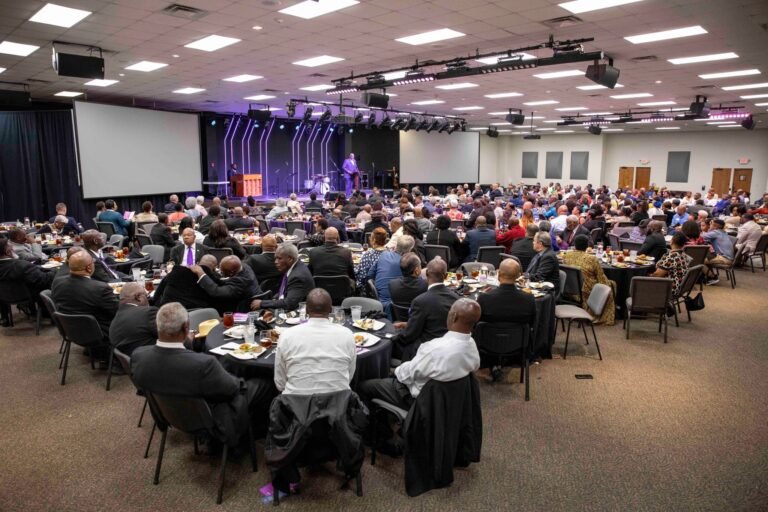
(370, 339)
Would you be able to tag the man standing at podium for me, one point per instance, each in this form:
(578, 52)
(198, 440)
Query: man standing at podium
(351, 174)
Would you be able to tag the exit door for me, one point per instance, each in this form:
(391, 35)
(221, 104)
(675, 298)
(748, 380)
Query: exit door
(721, 180)
(643, 177)
(626, 177)
(742, 179)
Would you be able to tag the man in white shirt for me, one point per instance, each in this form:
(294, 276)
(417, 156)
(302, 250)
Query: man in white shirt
(450, 357)
(316, 357)
(749, 234)
(560, 222)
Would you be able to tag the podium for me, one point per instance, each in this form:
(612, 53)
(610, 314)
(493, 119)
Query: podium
(244, 185)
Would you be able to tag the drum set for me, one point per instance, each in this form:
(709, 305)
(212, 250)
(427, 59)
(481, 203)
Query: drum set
(320, 184)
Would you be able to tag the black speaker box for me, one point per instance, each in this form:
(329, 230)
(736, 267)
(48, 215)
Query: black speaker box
(373, 99)
(259, 115)
(14, 98)
(80, 66)
(603, 74)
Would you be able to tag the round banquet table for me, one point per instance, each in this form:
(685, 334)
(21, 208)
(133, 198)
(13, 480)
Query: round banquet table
(372, 362)
(622, 276)
(281, 224)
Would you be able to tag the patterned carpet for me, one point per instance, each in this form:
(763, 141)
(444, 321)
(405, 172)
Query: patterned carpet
(681, 426)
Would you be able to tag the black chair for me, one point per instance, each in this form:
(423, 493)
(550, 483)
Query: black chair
(596, 235)
(692, 276)
(615, 241)
(490, 254)
(272, 284)
(370, 289)
(431, 251)
(125, 361)
(511, 257)
(625, 224)
(525, 261)
(106, 227)
(400, 312)
(630, 245)
(143, 263)
(192, 416)
(304, 244)
(81, 330)
(505, 340)
(219, 252)
(339, 287)
(649, 296)
(50, 306)
(760, 248)
(661, 218)
(698, 254)
(457, 224)
(275, 230)
(15, 293)
(292, 225)
(146, 227)
(574, 281)
(143, 240)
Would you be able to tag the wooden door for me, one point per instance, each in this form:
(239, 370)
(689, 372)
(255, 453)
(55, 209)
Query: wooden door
(643, 177)
(721, 180)
(742, 179)
(626, 177)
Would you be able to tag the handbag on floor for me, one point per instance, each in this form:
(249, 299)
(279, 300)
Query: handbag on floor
(695, 303)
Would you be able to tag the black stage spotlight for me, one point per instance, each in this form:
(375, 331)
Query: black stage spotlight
(325, 115)
(290, 109)
(492, 132)
(399, 124)
(307, 114)
(748, 123)
(259, 115)
(453, 127)
(358, 117)
(373, 99)
(386, 122)
(411, 123)
(443, 127)
(700, 107)
(371, 120)
(433, 125)
(595, 130)
(603, 74)
(518, 118)
(463, 126)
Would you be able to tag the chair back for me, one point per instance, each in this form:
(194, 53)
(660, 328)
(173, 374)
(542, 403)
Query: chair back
(282, 231)
(292, 225)
(400, 312)
(511, 257)
(650, 294)
(124, 360)
(188, 414)
(14, 292)
(471, 266)
(106, 227)
(198, 316)
(596, 234)
(525, 261)
(501, 339)
(300, 234)
(662, 218)
(143, 263)
(50, 306)
(243, 231)
(630, 245)
(431, 251)
(370, 289)
(367, 305)
(304, 244)
(692, 276)
(145, 226)
(116, 240)
(143, 240)
(598, 298)
(156, 252)
(490, 254)
(456, 224)
(762, 244)
(219, 252)
(698, 253)
(81, 330)
(339, 287)
(563, 279)
(354, 246)
(272, 284)
(626, 224)
(614, 241)
(574, 281)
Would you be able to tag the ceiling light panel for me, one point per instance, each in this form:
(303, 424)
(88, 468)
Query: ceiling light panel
(570, 109)
(60, 16)
(667, 34)
(101, 83)
(146, 66)
(543, 102)
(461, 85)
(595, 87)
(747, 86)
(68, 94)
(188, 90)
(631, 96)
(427, 102)
(242, 78)
(2, 69)
(730, 74)
(317, 61)
(656, 103)
(667, 127)
(703, 58)
(503, 95)
(473, 107)
(212, 43)
(579, 6)
(320, 87)
(560, 74)
(18, 49)
(259, 97)
(753, 96)
(312, 9)
(730, 126)
(430, 37)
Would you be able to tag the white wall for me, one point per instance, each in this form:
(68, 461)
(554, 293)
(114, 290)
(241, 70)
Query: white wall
(489, 158)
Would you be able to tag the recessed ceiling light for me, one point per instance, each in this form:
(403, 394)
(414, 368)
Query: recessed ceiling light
(579, 6)
(730, 126)
(504, 131)
(257, 27)
(312, 9)
(18, 49)
(59, 16)
(503, 95)
(667, 127)
(146, 66)
(121, 74)
(545, 129)
(188, 90)
(761, 104)
(595, 87)
(704, 58)
(495, 59)
(721, 122)
(212, 43)
(498, 113)
(478, 128)
(501, 124)
(430, 37)
(259, 97)
(474, 107)
(747, 86)
(553, 121)
(729, 74)
(753, 96)
(461, 85)
(319, 87)
(528, 118)
(390, 94)
(543, 102)
(427, 102)
(613, 129)
(666, 34)
(2, 69)
(630, 96)
(318, 61)
(242, 78)
(560, 74)
(657, 82)
(563, 131)
(395, 75)
(101, 83)
(175, 55)
(597, 113)
(570, 109)
(656, 103)
(68, 94)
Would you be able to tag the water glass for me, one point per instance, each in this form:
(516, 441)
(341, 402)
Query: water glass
(280, 317)
(357, 313)
(249, 333)
(632, 256)
(302, 311)
(338, 313)
(136, 272)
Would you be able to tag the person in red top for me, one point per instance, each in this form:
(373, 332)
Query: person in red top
(507, 238)
(454, 213)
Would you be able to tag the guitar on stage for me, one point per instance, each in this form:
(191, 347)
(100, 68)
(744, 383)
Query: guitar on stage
(351, 174)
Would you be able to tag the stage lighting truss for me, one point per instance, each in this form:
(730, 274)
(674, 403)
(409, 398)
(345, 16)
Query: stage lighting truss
(371, 120)
(343, 87)
(414, 77)
(358, 118)
(718, 113)
(386, 122)
(433, 125)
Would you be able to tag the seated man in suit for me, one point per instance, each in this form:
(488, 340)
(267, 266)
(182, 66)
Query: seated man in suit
(544, 266)
(314, 204)
(181, 285)
(428, 313)
(94, 242)
(161, 235)
(331, 259)
(406, 288)
(72, 225)
(572, 230)
(134, 324)
(506, 303)
(214, 214)
(295, 284)
(523, 247)
(60, 226)
(263, 265)
(169, 207)
(168, 368)
(24, 246)
(63, 270)
(23, 273)
(654, 245)
(481, 236)
(189, 252)
(240, 220)
(235, 291)
(335, 221)
(78, 294)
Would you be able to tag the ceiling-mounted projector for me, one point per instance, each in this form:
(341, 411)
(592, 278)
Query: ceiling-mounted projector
(532, 136)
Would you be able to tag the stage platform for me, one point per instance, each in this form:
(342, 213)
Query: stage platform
(269, 200)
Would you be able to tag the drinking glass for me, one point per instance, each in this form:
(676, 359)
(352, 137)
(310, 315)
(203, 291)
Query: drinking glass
(136, 272)
(126, 251)
(459, 275)
(338, 313)
(357, 312)
(302, 311)
(632, 255)
(280, 317)
(475, 273)
(228, 319)
(493, 276)
(265, 339)
(249, 333)
(149, 285)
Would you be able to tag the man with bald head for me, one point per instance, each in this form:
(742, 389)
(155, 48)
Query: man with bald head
(239, 220)
(506, 303)
(235, 291)
(263, 265)
(427, 315)
(63, 270)
(189, 252)
(334, 221)
(134, 325)
(21, 273)
(481, 236)
(94, 242)
(331, 259)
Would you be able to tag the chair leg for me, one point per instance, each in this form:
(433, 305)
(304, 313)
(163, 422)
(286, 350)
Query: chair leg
(252, 449)
(109, 368)
(629, 321)
(666, 326)
(375, 427)
(61, 351)
(61, 347)
(275, 495)
(149, 441)
(221, 474)
(67, 348)
(197, 449)
(567, 336)
(688, 312)
(38, 316)
(677, 324)
(527, 381)
(584, 330)
(359, 482)
(143, 410)
(160, 457)
(599, 354)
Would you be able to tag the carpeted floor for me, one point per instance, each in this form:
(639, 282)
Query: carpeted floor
(675, 427)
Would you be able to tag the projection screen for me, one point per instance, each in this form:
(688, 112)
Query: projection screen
(126, 151)
(439, 157)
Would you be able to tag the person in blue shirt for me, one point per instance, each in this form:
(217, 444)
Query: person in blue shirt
(387, 268)
(722, 246)
(679, 218)
(481, 236)
(115, 218)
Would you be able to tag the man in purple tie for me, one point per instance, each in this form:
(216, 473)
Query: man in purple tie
(188, 253)
(295, 284)
(351, 174)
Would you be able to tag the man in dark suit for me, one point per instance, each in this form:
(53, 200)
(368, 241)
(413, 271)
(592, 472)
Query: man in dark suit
(161, 235)
(313, 203)
(571, 231)
(23, 273)
(181, 285)
(481, 236)
(335, 221)
(171, 204)
(428, 314)
(168, 368)
(240, 220)
(72, 225)
(94, 242)
(188, 253)
(331, 259)
(295, 284)
(78, 294)
(234, 292)
(404, 289)
(377, 221)
(214, 214)
(523, 248)
(59, 226)
(506, 303)
(134, 324)
(544, 266)
(263, 265)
